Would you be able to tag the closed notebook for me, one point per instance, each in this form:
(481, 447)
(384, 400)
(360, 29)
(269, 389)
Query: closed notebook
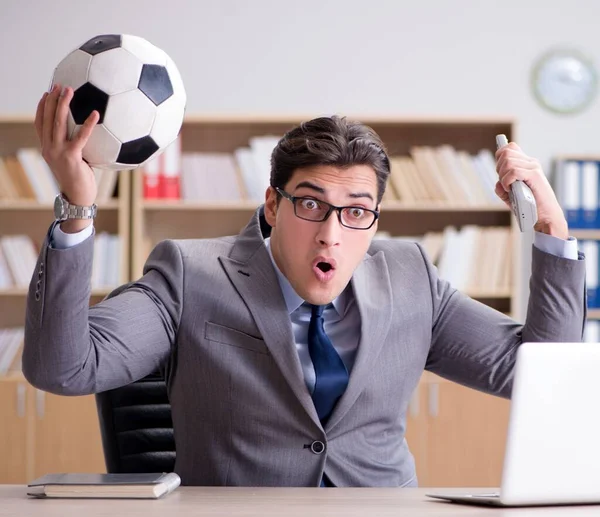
(136, 486)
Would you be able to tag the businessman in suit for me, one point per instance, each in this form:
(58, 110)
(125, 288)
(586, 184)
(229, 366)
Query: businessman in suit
(290, 350)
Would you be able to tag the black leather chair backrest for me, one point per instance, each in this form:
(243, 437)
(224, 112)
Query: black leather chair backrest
(136, 427)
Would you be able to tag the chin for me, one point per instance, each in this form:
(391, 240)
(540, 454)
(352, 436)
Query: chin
(320, 296)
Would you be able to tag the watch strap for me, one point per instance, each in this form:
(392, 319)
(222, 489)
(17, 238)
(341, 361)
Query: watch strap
(80, 212)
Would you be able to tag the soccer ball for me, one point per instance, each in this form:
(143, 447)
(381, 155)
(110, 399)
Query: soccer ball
(138, 91)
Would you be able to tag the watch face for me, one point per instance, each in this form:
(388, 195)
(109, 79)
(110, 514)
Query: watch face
(59, 208)
(564, 81)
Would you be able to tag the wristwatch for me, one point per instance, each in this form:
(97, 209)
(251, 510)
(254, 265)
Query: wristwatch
(64, 210)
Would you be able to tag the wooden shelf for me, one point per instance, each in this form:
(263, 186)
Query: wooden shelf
(193, 206)
(13, 377)
(480, 295)
(585, 234)
(385, 207)
(30, 204)
(593, 314)
(19, 291)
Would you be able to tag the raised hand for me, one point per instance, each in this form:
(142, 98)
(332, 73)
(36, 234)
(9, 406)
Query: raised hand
(74, 176)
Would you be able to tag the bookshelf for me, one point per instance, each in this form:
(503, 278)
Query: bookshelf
(576, 178)
(42, 432)
(156, 219)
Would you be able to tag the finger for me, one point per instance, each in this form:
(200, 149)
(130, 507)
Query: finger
(86, 130)
(501, 193)
(511, 149)
(62, 112)
(514, 175)
(49, 112)
(39, 116)
(505, 166)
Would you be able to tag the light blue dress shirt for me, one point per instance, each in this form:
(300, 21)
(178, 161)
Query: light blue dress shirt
(341, 317)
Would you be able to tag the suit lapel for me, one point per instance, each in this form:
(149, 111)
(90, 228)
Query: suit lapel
(373, 294)
(251, 271)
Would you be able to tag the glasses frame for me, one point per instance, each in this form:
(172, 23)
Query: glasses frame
(330, 209)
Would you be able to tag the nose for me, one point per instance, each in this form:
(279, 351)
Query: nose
(330, 231)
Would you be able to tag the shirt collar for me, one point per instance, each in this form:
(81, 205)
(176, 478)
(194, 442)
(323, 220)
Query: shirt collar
(292, 300)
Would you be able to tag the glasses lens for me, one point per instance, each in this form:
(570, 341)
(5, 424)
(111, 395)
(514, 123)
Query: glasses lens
(356, 217)
(311, 209)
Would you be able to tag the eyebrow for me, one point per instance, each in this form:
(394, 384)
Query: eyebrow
(321, 190)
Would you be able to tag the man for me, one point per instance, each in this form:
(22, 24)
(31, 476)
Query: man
(291, 350)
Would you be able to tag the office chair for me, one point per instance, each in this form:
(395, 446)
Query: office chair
(136, 427)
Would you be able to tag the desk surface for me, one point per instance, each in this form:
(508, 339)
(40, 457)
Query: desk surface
(265, 502)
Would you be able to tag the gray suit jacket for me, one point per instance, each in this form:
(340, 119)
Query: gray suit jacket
(211, 314)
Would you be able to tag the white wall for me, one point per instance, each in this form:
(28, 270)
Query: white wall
(466, 57)
(433, 57)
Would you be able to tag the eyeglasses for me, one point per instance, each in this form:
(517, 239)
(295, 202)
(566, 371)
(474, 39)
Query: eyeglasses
(310, 209)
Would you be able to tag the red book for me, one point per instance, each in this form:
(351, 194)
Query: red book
(170, 171)
(150, 173)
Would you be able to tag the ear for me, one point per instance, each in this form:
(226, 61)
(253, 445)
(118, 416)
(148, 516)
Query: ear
(271, 206)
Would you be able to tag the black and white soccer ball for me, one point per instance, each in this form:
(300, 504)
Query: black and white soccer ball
(136, 88)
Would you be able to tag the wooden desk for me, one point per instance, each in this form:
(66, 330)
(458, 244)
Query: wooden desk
(266, 502)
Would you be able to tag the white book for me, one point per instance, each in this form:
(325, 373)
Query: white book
(569, 180)
(39, 174)
(31, 171)
(12, 344)
(107, 185)
(6, 278)
(29, 254)
(13, 257)
(484, 177)
(474, 182)
(187, 177)
(589, 191)
(590, 249)
(450, 267)
(245, 162)
(488, 162)
(262, 148)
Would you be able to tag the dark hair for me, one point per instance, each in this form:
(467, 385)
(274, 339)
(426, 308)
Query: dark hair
(329, 141)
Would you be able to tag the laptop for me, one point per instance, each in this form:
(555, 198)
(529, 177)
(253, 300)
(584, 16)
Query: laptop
(552, 454)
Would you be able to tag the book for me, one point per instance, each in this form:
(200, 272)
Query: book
(122, 486)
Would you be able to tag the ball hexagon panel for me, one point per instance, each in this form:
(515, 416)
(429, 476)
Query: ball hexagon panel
(155, 83)
(176, 80)
(115, 71)
(87, 99)
(168, 120)
(101, 144)
(144, 50)
(73, 70)
(130, 115)
(101, 43)
(137, 151)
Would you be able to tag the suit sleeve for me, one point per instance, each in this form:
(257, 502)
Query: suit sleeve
(476, 346)
(72, 349)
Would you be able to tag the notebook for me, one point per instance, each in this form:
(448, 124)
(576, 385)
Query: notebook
(135, 486)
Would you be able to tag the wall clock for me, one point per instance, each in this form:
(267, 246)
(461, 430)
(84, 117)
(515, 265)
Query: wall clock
(564, 81)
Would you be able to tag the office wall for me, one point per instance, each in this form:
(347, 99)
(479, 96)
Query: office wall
(431, 57)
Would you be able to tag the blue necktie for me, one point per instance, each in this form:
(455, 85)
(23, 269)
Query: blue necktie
(331, 376)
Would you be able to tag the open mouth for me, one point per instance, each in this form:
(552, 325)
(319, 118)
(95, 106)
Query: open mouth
(324, 266)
